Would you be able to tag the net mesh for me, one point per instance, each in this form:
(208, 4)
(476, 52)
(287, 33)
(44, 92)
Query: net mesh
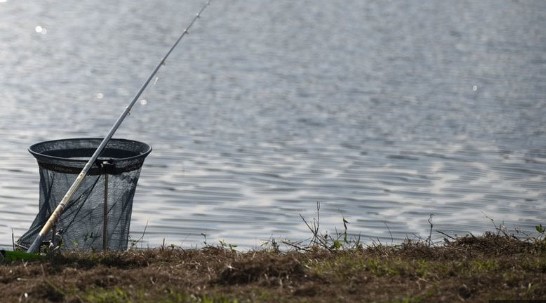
(98, 216)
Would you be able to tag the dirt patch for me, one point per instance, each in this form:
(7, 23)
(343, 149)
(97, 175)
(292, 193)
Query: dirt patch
(268, 269)
(46, 291)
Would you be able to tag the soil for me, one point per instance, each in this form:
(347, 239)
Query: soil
(468, 269)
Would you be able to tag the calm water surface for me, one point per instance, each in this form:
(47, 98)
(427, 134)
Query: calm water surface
(383, 111)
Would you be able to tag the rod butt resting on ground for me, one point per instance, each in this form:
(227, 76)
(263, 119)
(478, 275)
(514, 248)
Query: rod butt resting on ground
(35, 247)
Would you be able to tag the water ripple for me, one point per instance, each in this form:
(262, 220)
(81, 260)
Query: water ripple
(385, 113)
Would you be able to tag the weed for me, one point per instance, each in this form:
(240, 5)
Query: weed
(324, 240)
(225, 245)
(474, 268)
(108, 295)
(135, 242)
(541, 230)
(328, 267)
(484, 265)
(271, 245)
(429, 239)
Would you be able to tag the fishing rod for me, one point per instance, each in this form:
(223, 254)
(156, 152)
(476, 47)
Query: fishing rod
(66, 199)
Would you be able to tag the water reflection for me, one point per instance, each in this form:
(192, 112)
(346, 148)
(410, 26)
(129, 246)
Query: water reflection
(385, 113)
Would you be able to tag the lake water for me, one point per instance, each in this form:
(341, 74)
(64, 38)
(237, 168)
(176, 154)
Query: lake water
(383, 111)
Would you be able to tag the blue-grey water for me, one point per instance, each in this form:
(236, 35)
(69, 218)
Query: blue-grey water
(383, 111)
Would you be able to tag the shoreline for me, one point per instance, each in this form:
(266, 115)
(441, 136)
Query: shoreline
(468, 269)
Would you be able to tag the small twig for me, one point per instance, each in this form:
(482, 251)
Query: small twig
(443, 233)
(357, 241)
(492, 221)
(316, 223)
(429, 240)
(318, 214)
(313, 230)
(388, 228)
(294, 245)
(205, 238)
(143, 233)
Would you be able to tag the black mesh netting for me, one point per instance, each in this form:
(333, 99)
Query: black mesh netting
(99, 214)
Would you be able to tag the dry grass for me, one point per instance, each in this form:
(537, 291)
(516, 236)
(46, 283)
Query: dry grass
(468, 269)
(326, 268)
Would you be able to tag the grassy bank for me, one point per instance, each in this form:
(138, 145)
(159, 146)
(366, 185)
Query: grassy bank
(466, 269)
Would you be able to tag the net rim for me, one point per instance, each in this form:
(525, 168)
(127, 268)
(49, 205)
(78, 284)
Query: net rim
(145, 149)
